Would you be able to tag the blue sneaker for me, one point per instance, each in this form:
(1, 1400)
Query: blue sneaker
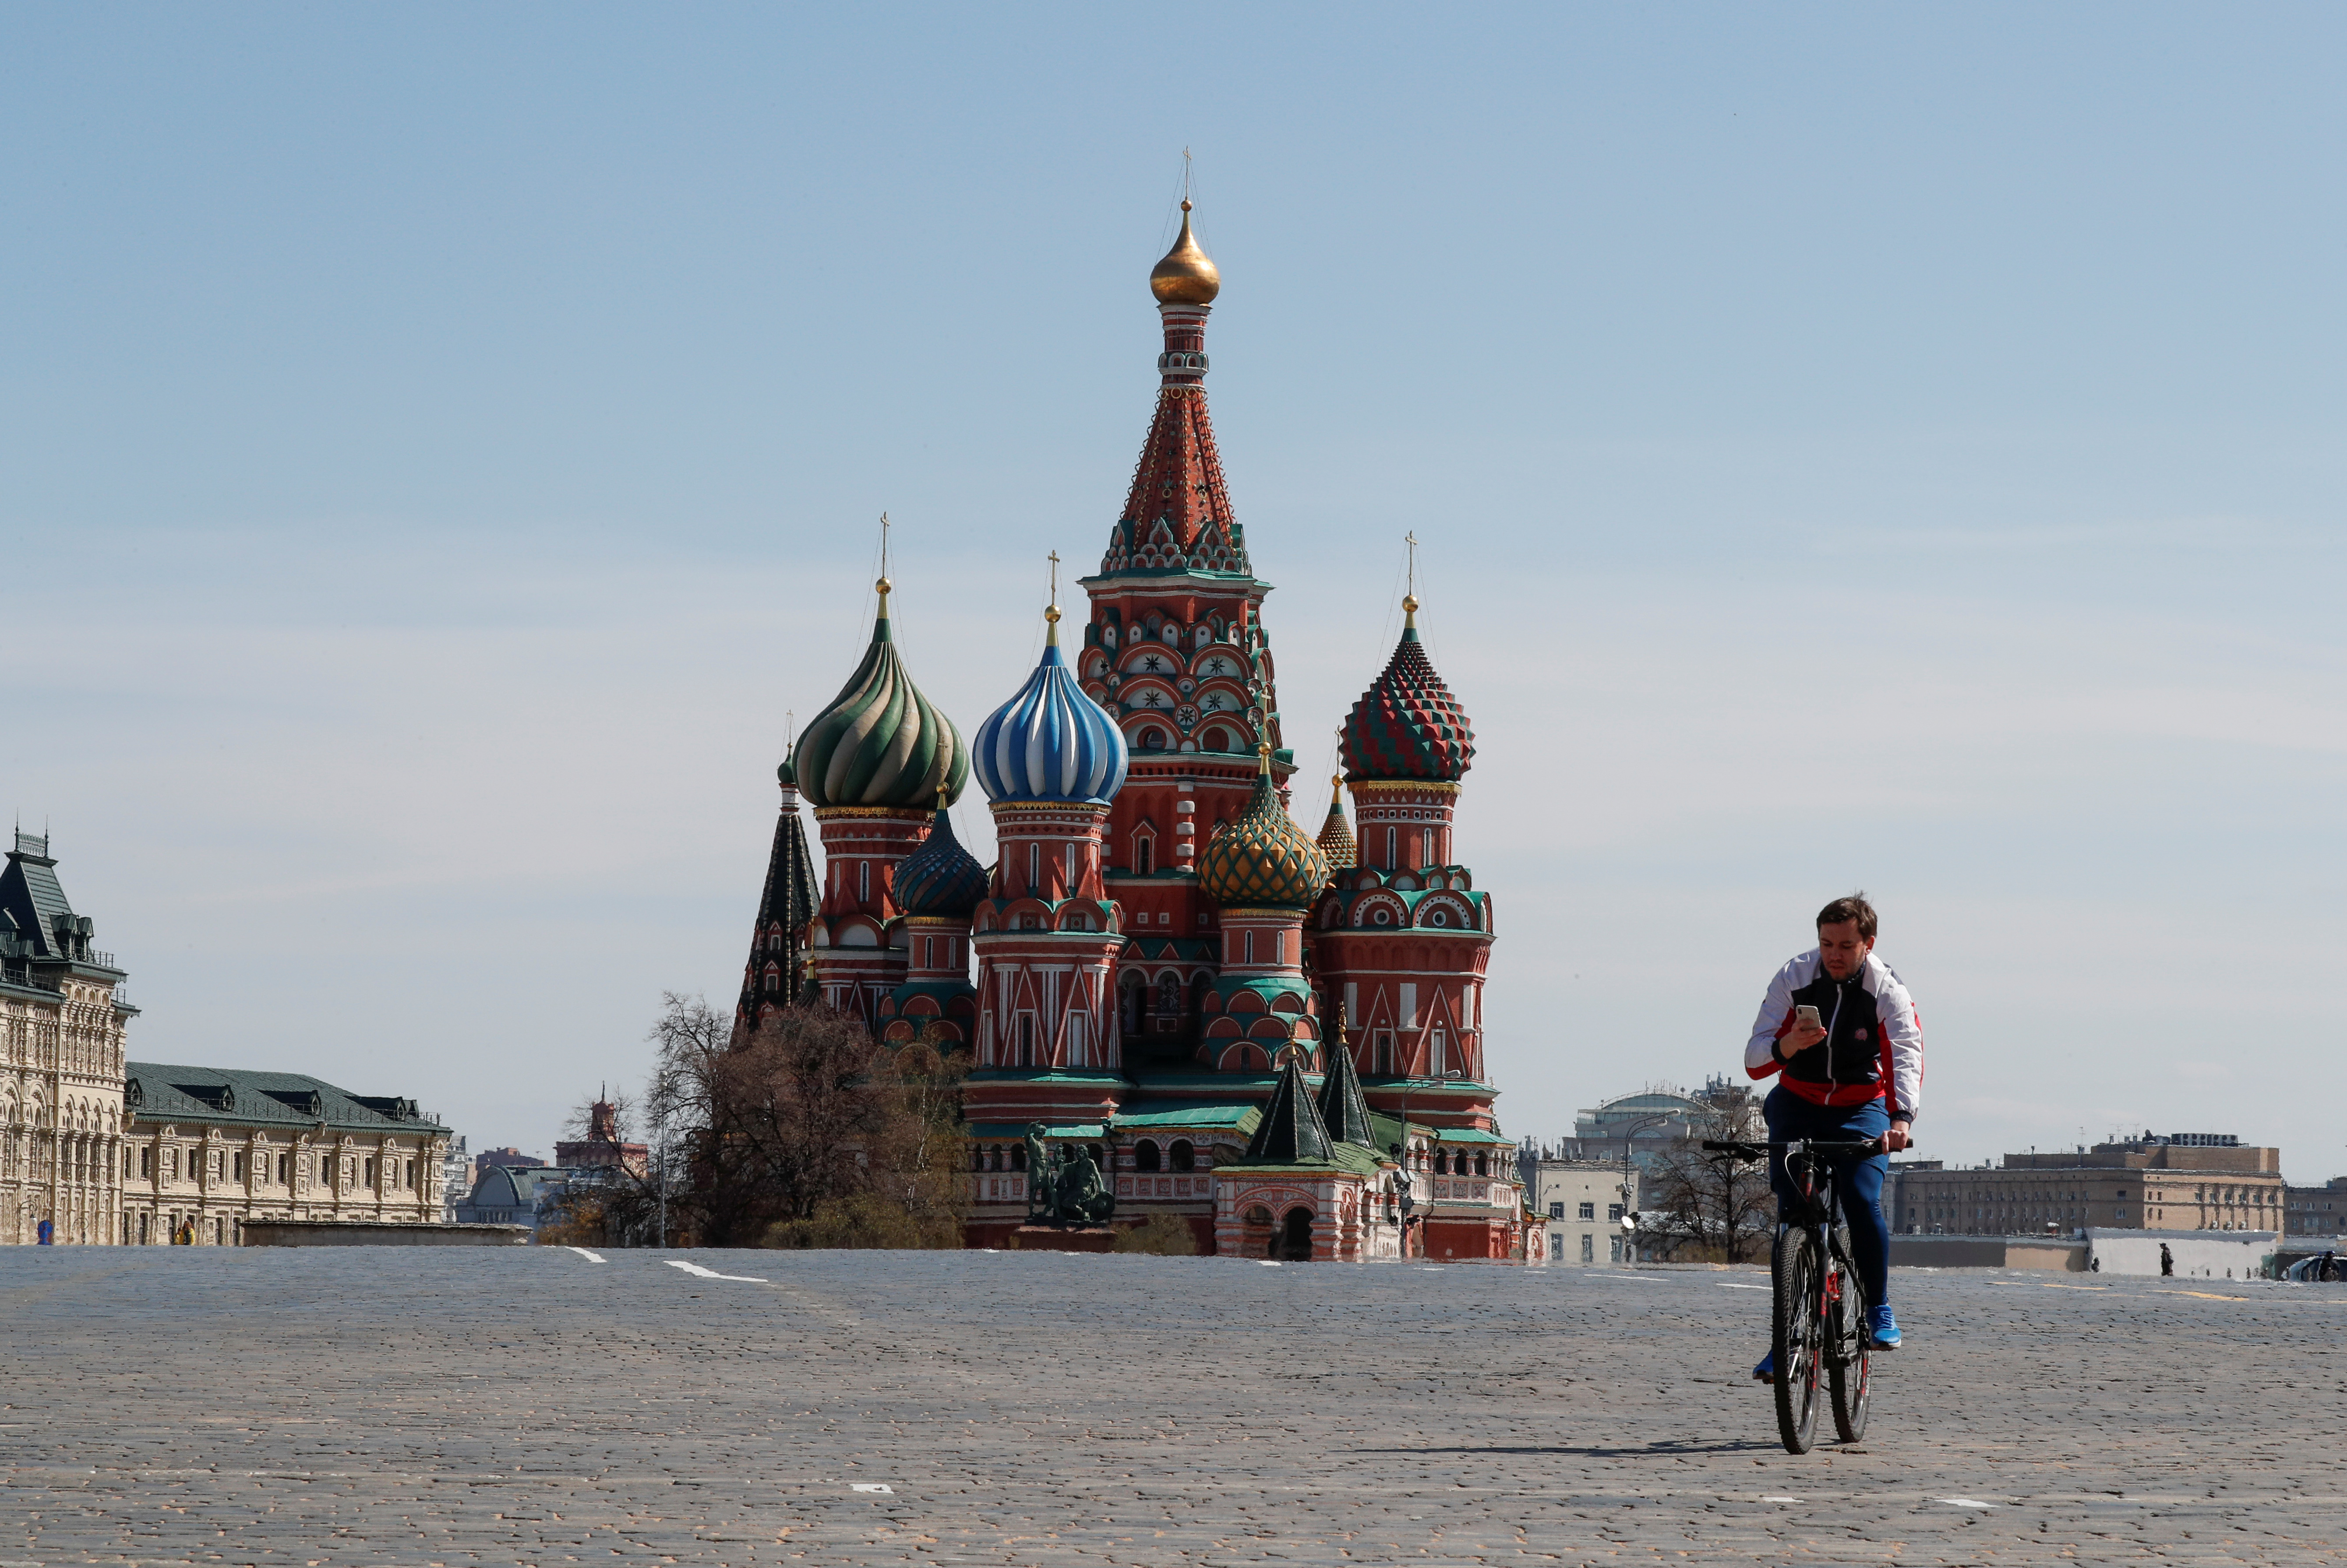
(1767, 1371)
(1886, 1330)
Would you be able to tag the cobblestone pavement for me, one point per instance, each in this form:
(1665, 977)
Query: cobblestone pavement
(534, 1406)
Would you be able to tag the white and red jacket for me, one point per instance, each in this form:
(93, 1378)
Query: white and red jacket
(1873, 1048)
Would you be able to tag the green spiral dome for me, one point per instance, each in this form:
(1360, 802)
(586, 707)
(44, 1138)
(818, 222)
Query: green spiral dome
(1260, 859)
(880, 742)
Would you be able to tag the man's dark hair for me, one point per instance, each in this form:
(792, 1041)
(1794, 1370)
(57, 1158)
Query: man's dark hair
(1845, 909)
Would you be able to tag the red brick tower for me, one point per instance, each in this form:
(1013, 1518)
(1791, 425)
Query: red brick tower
(1175, 652)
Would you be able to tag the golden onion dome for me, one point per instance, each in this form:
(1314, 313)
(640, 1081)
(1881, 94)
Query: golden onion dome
(1260, 858)
(1187, 276)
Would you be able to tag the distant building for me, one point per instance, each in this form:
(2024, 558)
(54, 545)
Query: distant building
(2315, 1211)
(1580, 1204)
(516, 1195)
(1651, 1121)
(2181, 1182)
(601, 1148)
(489, 1159)
(211, 1148)
(455, 1176)
(62, 1016)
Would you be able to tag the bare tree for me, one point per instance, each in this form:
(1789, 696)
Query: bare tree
(805, 1131)
(1705, 1206)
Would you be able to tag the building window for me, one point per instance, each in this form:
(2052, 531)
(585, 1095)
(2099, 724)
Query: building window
(1442, 1162)
(1614, 1212)
(1384, 1052)
(1589, 1211)
(284, 1169)
(1143, 849)
(1034, 866)
(146, 1161)
(864, 882)
(1588, 1247)
(1556, 1211)
(1145, 1154)
(1026, 1040)
(1184, 1157)
(1076, 1040)
(1441, 1051)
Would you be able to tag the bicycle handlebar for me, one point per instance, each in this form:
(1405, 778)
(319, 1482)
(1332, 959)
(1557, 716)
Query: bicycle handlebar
(1754, 1149)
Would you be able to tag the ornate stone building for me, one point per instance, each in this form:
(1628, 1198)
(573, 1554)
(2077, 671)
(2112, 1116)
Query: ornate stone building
(208, 1150)
(1275, 1039)
(61, 1050)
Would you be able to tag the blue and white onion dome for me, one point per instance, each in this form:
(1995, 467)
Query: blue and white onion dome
(1050, 741)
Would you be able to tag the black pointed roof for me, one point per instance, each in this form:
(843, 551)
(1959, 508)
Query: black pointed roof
(1291, 1133)
(788, 902)
(1344, 1111)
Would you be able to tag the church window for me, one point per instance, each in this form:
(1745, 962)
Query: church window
(1145, 1154)
(1384, 1057)
(1068, 867)
(1184, 1157)
(1250, 948)
(1441, 1057)
(976, 1157)
(1034, 866)
(1143, 846)
(1026, 1040)
(1076, 1040)
(1481, 1168)
(1440, 916)
(1018, 1156)
(1441, 1162)
(1153, 740)
(864, 881)
(1169, 996)
(1390, 849)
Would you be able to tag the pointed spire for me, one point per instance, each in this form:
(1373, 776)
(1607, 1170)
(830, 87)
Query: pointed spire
(1344, 1109)
(1336, 840)
(1291, 1131)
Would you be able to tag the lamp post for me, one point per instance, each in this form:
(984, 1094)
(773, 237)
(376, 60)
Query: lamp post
(1401, 1152)
(1629, 1214)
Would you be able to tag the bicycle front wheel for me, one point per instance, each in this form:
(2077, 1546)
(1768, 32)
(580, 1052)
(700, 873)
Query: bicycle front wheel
(1847, 1369)
(1798, 1337)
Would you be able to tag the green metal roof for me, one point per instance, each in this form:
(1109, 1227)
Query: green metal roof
(224, 1097)
(1017, 1129)
(1173, 1113)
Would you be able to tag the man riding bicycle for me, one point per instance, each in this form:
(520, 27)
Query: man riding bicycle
(1841, 1035)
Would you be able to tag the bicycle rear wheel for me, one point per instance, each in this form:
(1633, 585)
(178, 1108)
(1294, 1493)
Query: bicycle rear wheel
(1796, 1337)
(1848, 1367)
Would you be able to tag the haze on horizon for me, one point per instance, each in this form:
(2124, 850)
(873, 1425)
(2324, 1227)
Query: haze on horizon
(1896, 449)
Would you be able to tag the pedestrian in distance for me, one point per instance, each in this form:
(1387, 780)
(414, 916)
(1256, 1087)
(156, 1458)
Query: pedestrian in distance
(1841, 1037)
(46, 1234)
(2167, 1262)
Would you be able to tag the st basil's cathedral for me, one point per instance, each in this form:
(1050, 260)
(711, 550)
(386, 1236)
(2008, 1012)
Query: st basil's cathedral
(1275, 1036)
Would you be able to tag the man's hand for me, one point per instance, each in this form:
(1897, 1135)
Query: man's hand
(1896, 1139)
(1802, 1036)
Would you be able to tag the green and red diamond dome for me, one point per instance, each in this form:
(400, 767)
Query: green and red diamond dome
(1408, 726)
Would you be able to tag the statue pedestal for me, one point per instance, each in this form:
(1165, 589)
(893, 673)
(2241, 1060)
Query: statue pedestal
(1052, 1238)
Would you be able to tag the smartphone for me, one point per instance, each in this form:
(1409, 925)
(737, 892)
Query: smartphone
(1807, 1017)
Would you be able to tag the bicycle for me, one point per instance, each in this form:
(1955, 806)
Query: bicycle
(1820, 1317)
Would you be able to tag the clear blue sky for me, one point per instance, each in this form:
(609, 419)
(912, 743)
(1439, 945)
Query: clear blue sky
(1896, 448)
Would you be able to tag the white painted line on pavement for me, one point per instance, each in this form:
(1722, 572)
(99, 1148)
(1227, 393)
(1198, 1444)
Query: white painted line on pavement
(696, 1270)
(1780, 1500)
(589, 1257)
(1268, 1262)
(1969, 1502)
(1630, 1278)
(1723, 1284)
(873, 1486)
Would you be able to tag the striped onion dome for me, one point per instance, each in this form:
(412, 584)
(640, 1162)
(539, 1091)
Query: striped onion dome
(1260, 858)
(1336, 834)
(880, 742)
(1408, 726)
(1050, 741)
(940, 877)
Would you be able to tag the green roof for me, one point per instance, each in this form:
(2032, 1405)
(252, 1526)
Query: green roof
(1468, 1135)
(1014, 1130)
(1173, 1113)
(225, 1097)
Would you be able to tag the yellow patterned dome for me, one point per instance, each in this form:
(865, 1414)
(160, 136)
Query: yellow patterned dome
(1260, 859)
